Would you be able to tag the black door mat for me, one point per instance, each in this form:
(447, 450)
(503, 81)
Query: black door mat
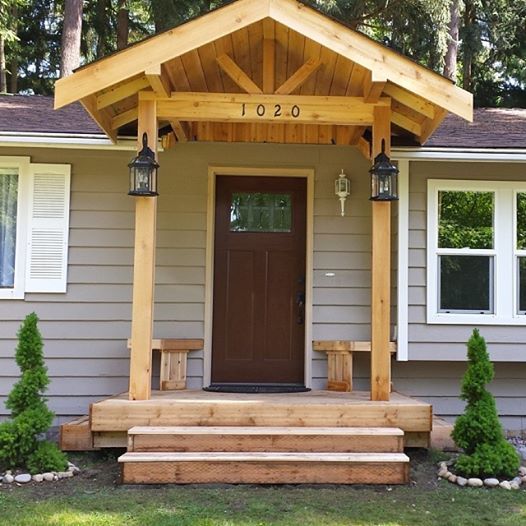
(256, 389)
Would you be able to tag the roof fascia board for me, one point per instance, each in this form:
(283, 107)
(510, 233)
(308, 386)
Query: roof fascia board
(158, 49)
(491, 155)
(88, 142)
(373, 56)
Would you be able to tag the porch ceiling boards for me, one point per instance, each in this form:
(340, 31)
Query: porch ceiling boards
(268, 47)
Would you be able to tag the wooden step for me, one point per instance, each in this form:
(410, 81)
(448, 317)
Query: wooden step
(268, 439)
(265, 468)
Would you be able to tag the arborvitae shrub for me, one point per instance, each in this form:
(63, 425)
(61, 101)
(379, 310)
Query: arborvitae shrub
(19, 438)
(478, 431)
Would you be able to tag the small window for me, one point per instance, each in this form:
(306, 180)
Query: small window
(260, 212)
(8, 226)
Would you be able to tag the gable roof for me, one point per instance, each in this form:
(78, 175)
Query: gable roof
(503, 128)
(223, 52)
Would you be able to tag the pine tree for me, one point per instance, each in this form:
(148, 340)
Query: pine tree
(19, 438)
(478, 431)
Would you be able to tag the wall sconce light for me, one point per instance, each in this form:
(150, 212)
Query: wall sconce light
(384, 178)
(342, 187)
(143, 172)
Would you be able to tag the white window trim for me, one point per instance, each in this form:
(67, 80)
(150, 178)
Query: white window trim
(22, 164)
(505, 271)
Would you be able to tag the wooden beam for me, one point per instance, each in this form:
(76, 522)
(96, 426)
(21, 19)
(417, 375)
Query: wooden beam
(230, 67)
(297, 79)
(269, 56)
(406, 123)
(143, 270)
(99, 116)
(158, 80)
(409, 99)
(373, 56)
(162, 87)
(233, 107)
(181, 130)
(159, 49)
(381, 272)
(373, 86)
(121, 91)
(121, 119)
(431, 125)
(364, 146)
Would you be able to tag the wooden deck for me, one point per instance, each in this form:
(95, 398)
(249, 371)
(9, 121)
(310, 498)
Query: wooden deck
(110, 419)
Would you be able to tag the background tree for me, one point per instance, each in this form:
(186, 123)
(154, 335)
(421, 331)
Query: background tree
(71, 33)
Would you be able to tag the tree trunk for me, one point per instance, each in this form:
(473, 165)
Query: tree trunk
(71, 33)
(13, 78)
(122, 25)
(450, 66)
(467, 58)
(3, 76)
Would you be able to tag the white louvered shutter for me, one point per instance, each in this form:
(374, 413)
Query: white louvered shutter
(47, 254)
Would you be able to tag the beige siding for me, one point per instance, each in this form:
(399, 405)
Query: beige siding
(86, 329)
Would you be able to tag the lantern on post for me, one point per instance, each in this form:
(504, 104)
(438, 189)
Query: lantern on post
(384, 178)
(342, 187)
(143, 172)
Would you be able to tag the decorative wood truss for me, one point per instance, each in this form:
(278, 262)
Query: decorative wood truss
(263, 71)
(299, 77)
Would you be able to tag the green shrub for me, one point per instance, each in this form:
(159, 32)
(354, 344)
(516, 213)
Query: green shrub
(19, 438)
(478, 431)
(47, 457)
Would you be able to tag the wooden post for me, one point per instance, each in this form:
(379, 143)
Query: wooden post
(143, 269)
(381, 271)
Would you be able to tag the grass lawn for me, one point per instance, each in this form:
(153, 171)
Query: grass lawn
(94, 498)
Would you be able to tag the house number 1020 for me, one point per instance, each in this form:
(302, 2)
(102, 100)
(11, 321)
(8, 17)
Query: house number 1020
(275, 111)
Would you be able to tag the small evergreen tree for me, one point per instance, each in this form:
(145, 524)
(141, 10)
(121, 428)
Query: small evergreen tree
(478, 431)
(19, 438)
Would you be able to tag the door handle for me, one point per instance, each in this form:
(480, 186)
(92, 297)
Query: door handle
(300, 301)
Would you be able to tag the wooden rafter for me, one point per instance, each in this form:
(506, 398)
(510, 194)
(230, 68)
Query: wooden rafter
(121, 91)
(406, 123)
(431, 125)
(230, 67)
(409, 99)
(373, 86)
(99, 116)
(121, 119)
(297, 109)
(297, 79)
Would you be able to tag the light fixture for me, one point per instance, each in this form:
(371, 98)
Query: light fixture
(143, 172)
(384, 178)
(342, 187)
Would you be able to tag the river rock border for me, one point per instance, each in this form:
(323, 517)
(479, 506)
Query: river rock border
(51, 476)
(515, 483)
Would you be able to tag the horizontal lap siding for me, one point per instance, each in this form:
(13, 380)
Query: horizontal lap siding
(438, 352)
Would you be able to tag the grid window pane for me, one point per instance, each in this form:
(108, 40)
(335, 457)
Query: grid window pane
(465, 219)
(8, 212)
(260, 212)
(521, 221)
(521, 263)
(466, 283)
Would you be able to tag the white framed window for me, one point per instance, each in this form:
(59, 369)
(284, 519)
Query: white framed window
(476, 252)
(34, 225)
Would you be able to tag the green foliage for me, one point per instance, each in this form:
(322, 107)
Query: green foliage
(478, 431)
(30, 414)
(47, 457)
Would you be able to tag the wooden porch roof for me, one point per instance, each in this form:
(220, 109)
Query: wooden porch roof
(279, 51)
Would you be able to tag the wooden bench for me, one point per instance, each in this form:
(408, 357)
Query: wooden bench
(339, 360)
(174, 354)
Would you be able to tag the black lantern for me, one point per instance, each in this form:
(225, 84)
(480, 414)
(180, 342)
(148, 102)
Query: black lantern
(384, 178)
(143, 172)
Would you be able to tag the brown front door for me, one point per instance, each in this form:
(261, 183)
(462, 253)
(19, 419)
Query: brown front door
(259, 280)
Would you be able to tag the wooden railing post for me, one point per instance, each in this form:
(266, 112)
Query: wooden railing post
(143, 269)
(381, 271)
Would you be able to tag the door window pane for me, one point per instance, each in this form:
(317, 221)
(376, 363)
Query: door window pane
(466, 283)
(465, 219)
(521, 221)
(260, 212)
(8, 210)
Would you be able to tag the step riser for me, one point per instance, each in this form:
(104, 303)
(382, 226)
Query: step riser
(268, 443)
(205, 472)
